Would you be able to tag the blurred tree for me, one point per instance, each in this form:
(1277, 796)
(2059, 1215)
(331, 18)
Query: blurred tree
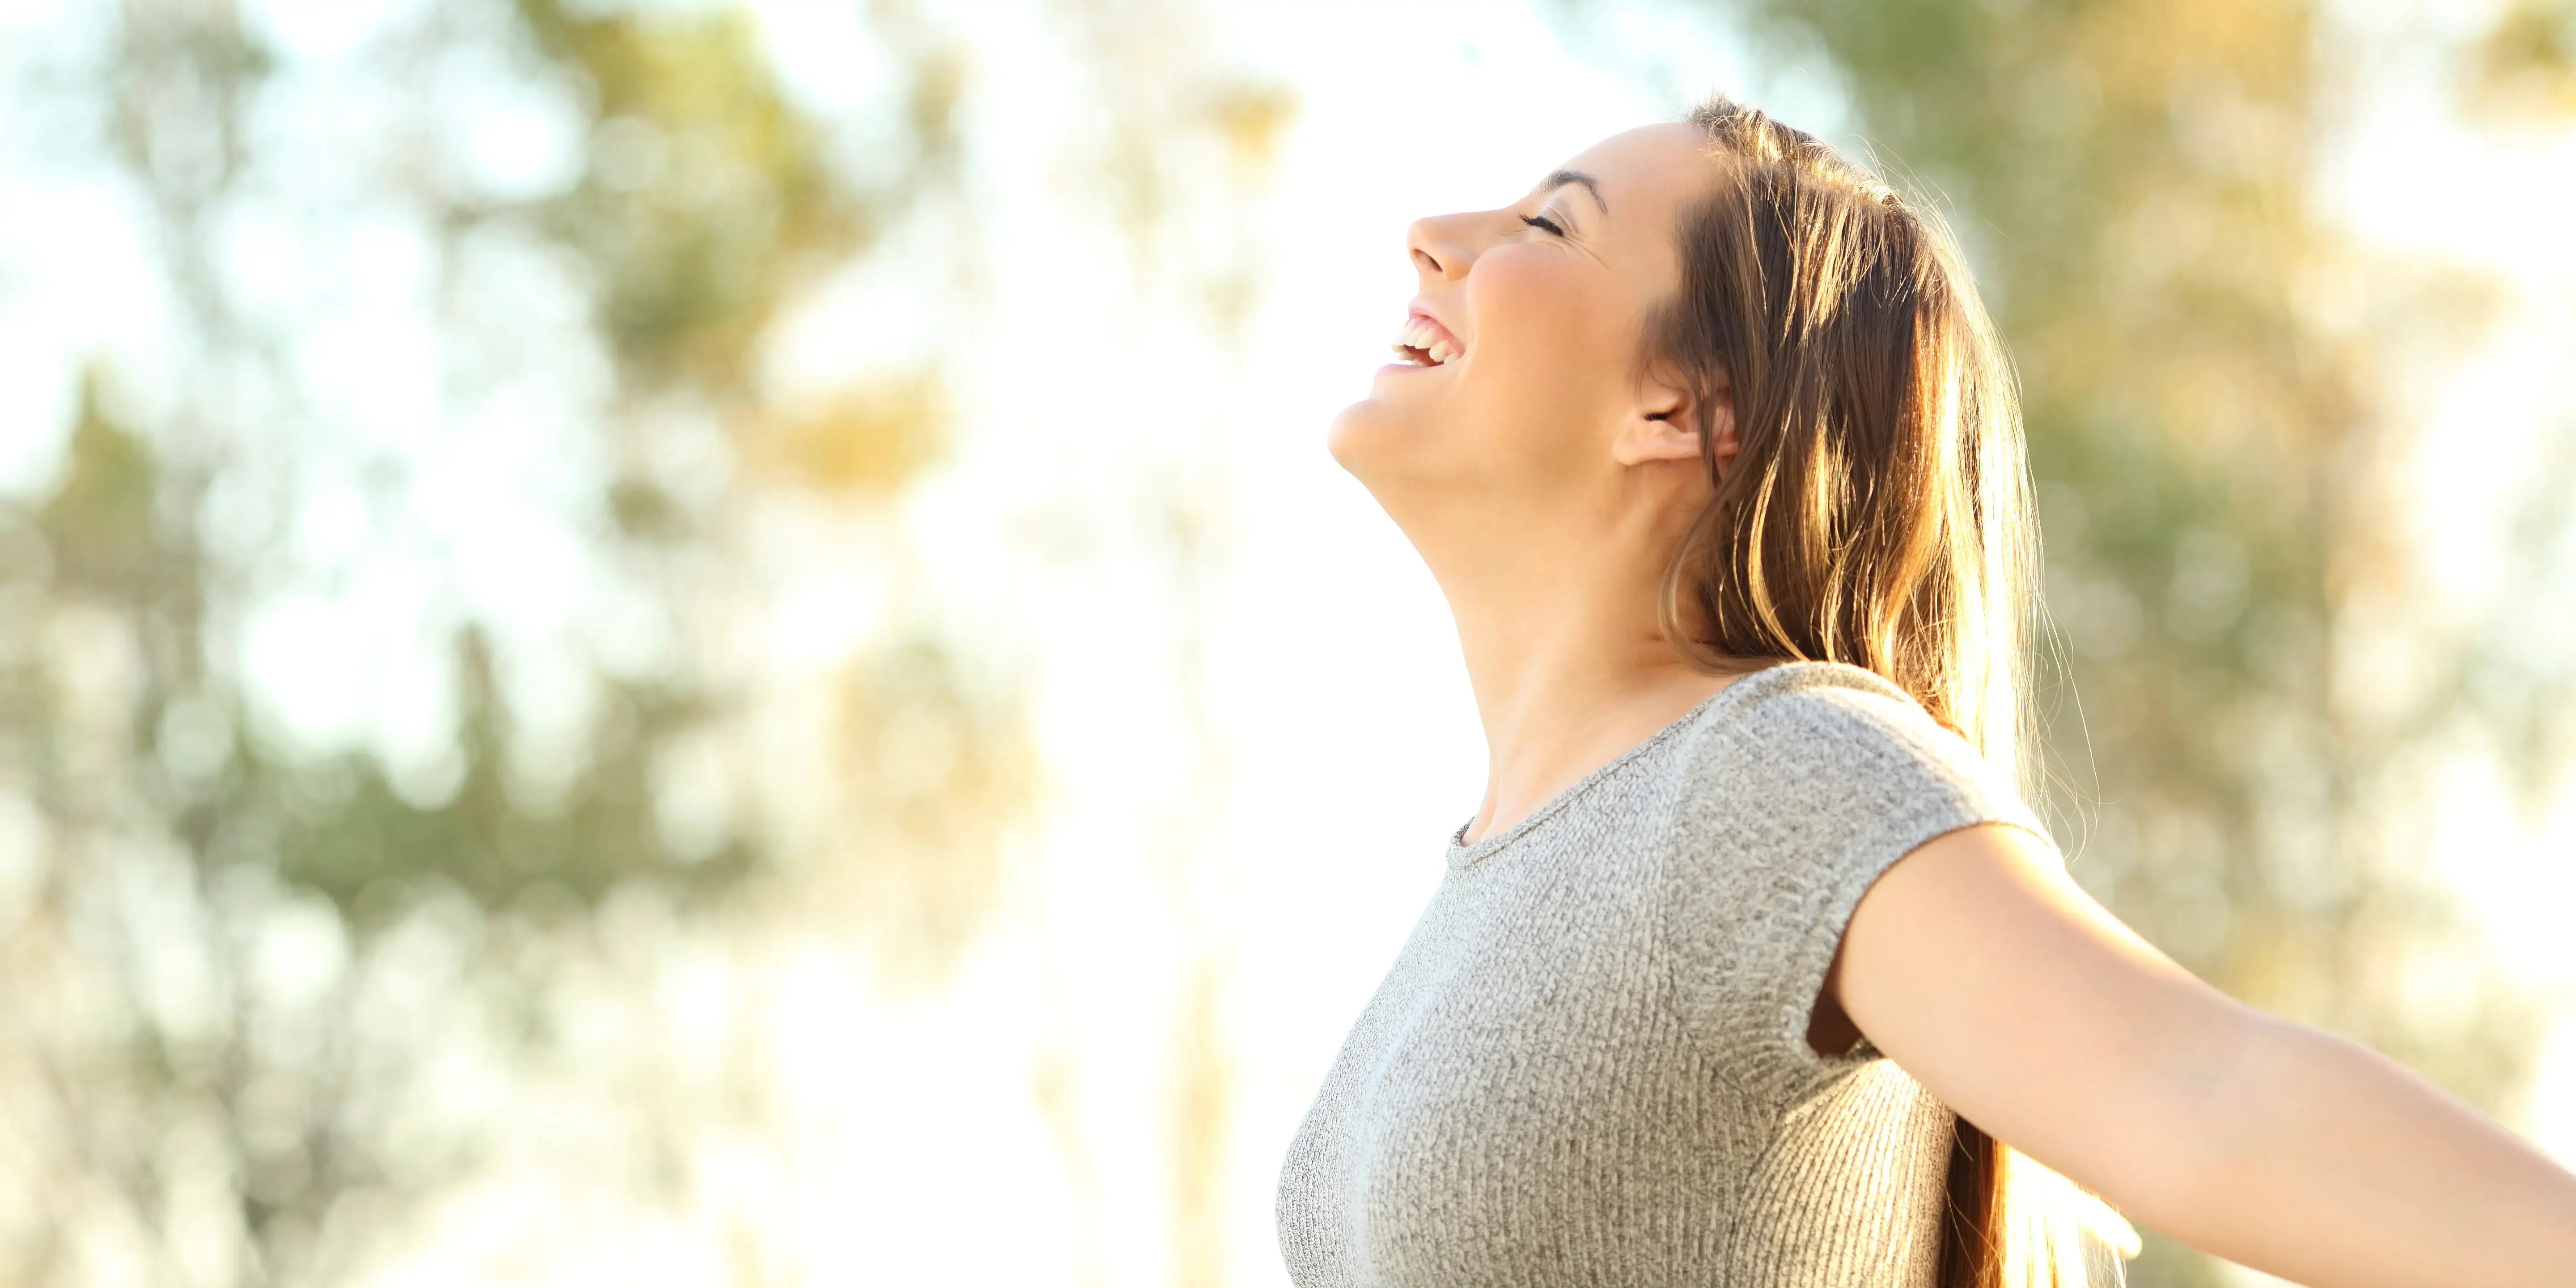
(2238, 705)
(254, 982)
(2526, 65)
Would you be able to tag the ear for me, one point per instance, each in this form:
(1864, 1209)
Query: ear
(1659, 426)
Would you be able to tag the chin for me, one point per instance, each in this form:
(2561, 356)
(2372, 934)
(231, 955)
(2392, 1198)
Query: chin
(1357, 438)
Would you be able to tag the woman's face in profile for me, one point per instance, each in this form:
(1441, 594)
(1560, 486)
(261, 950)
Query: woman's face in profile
(1535, 311)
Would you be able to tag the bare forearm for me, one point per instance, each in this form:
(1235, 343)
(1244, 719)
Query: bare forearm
(2336, 1167)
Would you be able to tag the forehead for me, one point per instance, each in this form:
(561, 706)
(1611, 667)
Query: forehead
(1644, 172)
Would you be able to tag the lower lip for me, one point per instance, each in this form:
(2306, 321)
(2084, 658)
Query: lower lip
(1407, 366)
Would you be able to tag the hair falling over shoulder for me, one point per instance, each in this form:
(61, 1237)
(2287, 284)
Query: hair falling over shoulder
(1877, 512)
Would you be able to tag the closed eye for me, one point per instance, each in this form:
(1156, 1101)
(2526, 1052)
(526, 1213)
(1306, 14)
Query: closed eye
(1543, 222)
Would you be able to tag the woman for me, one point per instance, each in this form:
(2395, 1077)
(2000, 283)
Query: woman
(1710, 446)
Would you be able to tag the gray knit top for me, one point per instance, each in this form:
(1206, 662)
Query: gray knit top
(1588, 1064)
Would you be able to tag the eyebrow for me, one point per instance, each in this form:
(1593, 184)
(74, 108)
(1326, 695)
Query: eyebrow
(1564, 177)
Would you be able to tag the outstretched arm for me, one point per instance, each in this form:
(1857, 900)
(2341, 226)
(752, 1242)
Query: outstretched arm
(1983, 970)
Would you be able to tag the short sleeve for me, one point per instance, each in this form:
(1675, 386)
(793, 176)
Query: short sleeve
(1789, 810)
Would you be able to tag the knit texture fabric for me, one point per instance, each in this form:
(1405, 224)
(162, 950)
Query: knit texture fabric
(1589, 1065)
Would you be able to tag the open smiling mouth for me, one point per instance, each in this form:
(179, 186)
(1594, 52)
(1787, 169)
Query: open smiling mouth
(1423, 344)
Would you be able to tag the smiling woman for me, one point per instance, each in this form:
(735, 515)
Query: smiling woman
(1535, 336)
(1753, 966)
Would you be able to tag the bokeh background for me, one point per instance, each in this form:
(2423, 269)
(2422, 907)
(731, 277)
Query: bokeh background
(681, 643)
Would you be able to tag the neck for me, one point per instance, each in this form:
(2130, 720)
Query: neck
(1569, 670)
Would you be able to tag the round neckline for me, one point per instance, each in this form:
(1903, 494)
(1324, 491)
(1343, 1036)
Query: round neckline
(1461, 855)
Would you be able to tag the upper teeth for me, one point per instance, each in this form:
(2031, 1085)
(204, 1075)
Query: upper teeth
(1420, 333)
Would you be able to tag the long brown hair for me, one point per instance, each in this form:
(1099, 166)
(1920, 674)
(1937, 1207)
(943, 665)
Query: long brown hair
(1877, 513)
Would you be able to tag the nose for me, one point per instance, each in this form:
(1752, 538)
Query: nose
(1440, 251)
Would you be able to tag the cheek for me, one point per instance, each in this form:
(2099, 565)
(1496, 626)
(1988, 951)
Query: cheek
(1543, 336)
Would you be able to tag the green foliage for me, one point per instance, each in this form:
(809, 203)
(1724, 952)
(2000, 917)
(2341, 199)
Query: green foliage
(187, 846)
(98, 522)
(706, 196)
(369, 841)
